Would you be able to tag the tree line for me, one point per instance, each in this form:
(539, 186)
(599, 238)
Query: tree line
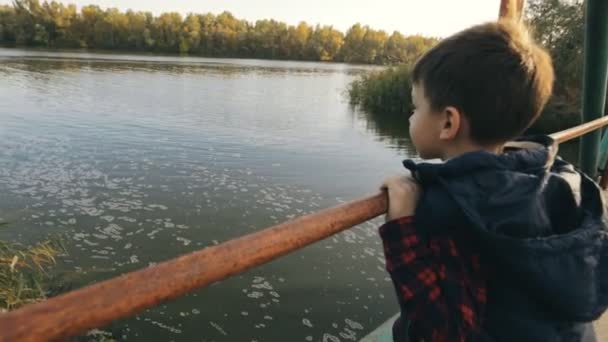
(55, 25)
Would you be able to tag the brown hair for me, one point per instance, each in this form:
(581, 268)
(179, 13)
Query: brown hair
(493, 73)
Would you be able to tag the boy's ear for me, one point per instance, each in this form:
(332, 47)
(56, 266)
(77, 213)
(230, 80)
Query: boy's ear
(452, 123)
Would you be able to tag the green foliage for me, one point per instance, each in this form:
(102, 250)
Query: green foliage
(559, 25)
(364, 45)
(53, 24)
(386, 91)
(385, 100)
(325, 43)
(385, 96)
(23, 272)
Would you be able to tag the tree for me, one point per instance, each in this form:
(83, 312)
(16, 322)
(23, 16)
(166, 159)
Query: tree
(269, 39)
(395, 50)
(352, 50)
(85, 25)
(373, 46)
(559, 26)
(7, 24)
(56, 22)
(138, 32)
(227, 33)
(191, 34)
(297, 40)
(325, 43)
(25, 24)
(167, 32)
(207, 24)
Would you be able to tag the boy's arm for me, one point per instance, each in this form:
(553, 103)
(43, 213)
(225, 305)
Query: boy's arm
(405, 252)
(422, 269)
(414, 278)
(440, 288)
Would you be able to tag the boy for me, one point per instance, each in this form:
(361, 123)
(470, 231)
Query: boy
(502, 241)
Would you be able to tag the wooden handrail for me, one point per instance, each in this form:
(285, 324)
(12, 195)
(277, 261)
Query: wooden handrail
(577, 131)
(96, 305)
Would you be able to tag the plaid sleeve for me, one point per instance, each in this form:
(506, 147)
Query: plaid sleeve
(440, 286)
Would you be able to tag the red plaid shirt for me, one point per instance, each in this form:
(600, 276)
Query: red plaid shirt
(439, 283)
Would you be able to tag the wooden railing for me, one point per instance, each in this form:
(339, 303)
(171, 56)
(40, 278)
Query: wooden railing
(96, 305)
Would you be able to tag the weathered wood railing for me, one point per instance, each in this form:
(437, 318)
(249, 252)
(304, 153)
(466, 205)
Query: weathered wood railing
(96, 305)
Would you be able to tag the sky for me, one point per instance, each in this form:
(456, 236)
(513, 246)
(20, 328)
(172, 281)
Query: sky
(437, 18)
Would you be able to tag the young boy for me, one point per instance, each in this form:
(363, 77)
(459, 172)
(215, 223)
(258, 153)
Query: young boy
(502, 241)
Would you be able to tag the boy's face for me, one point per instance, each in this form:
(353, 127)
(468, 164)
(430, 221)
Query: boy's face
(425, 125)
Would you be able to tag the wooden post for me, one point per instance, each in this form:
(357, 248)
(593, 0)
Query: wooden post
(511, 9)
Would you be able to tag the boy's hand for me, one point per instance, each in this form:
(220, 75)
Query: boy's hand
(403, 194)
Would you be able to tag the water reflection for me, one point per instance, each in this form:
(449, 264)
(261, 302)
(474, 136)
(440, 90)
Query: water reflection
(391, 128)
(41, 61)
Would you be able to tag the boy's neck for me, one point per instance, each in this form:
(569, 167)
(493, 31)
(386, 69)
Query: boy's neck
(461, 148)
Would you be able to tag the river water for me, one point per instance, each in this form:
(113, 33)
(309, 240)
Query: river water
(134, 160)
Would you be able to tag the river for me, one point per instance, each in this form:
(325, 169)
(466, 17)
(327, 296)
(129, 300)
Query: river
(134, 160)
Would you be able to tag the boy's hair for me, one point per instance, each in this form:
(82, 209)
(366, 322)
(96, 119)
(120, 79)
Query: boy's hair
(494, 74)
